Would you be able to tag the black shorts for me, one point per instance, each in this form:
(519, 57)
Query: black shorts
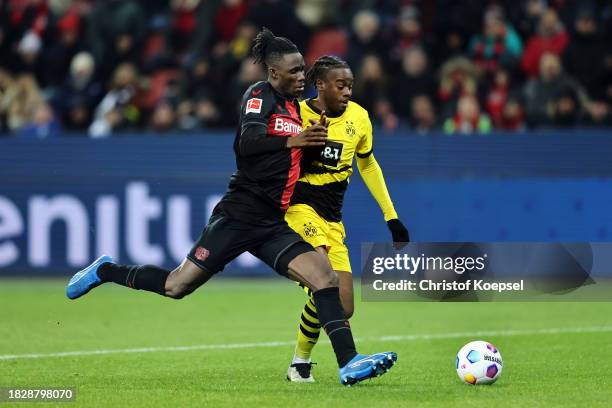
(224, 238)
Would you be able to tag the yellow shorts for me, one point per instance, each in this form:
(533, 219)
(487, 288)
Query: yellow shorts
(317, 231)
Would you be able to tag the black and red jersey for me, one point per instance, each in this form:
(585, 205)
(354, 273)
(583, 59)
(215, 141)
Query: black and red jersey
(266, 168)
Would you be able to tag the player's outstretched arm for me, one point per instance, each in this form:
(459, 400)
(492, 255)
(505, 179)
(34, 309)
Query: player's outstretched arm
(372, 175)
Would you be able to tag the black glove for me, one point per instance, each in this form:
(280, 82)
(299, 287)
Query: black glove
(399, 233)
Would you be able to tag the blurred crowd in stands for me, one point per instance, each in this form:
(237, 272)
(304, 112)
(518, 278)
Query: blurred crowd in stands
(106, 67)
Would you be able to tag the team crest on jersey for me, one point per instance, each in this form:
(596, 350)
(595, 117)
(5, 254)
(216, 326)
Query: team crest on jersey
(350, 129)
(310, 230)
(201, 253)
(253, 105)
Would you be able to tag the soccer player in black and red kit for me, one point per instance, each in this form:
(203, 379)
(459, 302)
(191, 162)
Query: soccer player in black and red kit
(250, 216)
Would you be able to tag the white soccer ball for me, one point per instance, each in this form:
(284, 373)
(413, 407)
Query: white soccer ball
(479, 362)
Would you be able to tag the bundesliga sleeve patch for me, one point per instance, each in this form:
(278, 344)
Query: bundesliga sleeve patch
(253, 105)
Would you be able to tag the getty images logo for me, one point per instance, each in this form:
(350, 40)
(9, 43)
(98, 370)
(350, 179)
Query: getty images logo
(147, 228)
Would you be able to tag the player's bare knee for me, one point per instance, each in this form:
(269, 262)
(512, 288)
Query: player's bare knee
(329, 279)
(318, 281)
(312, 270)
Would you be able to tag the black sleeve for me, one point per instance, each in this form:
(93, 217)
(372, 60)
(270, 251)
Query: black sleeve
(258, 104)
(254, 140)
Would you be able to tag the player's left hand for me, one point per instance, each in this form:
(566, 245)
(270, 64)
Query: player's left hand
(399, 233)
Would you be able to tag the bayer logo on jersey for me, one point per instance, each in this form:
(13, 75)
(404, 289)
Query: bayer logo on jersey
(331, 153)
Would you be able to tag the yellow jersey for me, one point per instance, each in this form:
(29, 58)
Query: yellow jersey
(325, 172)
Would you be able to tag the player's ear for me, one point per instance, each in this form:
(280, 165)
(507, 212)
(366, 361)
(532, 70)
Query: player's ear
(273, 73)
(320, 84)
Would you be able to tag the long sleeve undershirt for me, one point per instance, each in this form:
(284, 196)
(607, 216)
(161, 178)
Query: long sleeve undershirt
(372, 175)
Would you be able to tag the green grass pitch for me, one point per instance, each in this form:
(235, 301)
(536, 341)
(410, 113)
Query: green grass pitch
(555, 354)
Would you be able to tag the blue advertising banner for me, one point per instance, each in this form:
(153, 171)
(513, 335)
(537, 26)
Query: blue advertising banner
(145, 199)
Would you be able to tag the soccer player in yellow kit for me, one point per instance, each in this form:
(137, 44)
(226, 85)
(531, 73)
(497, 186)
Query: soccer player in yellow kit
(316, 206)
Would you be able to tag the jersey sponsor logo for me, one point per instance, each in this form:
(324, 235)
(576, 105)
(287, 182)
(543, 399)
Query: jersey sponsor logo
(331, 153)
(350, 129)
(256, 92)
(253, 105)
(201, 253)
(281, 125)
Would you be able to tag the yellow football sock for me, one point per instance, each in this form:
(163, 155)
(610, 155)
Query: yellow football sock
(308, 333)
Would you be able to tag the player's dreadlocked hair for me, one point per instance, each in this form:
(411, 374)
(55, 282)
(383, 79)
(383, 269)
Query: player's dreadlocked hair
(268, 48)
(322, 66)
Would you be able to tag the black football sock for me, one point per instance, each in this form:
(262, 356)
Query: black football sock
(146, 277)
(331, 316)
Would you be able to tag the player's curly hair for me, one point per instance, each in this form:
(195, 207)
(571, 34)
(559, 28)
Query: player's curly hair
(322, 66)
(268, 48)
